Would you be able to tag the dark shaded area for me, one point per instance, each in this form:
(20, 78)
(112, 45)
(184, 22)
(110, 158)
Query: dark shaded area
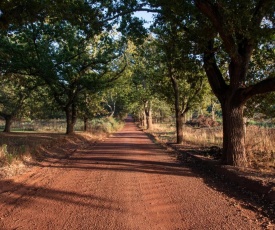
(25, 192)
(220, 182)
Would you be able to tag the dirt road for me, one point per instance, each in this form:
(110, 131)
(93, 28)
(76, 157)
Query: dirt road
(125, 182)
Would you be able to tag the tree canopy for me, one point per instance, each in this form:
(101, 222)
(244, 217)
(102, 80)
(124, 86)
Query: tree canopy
(87, 49)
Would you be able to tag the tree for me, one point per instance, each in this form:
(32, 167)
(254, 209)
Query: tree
(90, 15)
(89, 106)
(14, 92)
(67, 44)
(69, 61)
(116, 98)
(181, 67)
(143, 71)
(232, 31)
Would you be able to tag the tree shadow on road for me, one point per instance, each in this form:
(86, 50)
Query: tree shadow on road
(19, 194)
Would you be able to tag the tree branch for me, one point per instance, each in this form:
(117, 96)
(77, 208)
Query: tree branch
(213, 14)
(213, 73)
(265, 86)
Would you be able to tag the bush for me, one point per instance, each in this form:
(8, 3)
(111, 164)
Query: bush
(104, 125)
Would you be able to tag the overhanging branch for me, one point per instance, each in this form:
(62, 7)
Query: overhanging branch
(265, 86)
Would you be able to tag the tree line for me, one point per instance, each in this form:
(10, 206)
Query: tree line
(83, 56)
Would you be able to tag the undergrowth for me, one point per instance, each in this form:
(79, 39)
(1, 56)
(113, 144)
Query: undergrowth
(23, 147)
(260, 141)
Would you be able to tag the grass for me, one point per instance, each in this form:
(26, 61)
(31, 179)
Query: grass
(18, 149)
(260, 146)
(260, 141)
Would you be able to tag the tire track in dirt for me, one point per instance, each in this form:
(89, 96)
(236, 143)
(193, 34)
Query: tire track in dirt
(125, 182)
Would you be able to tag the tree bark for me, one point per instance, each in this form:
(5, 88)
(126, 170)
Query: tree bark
(149, 122)
(232, 103)
(234, 93)
(179, 116)
(148, 114)
(234, 135)
(178, 112)
(143, 119)
(179, 126)
(8, 122)
(85, 120)
(71, 117)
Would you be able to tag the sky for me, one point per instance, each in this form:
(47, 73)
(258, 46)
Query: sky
(146, 16)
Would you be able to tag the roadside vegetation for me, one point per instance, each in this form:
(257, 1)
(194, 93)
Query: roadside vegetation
(79, 62)
(260, 142)
(22, 148)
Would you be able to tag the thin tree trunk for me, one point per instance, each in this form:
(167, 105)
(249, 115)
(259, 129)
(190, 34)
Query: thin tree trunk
(85, 120)
(179, 117)
(245, 123)
(144, 119)
(179, 126)
(148, 114)
(70, 118)
(149, 122)
(213, 110)
(8, 122)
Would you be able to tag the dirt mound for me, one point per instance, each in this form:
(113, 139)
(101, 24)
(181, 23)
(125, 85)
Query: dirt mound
(202, 121)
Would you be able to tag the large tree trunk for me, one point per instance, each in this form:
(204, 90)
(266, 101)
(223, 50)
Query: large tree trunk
(70, 118)
(233, 130)
(232, 98)
(234, 135)
(8, 122)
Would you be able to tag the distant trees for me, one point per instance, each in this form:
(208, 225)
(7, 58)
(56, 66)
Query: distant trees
(143, 72)
(181, 67)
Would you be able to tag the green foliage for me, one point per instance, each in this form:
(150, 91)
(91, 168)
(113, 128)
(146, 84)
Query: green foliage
(73, 48)
(14, 92)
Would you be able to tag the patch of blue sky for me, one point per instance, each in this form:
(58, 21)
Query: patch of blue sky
(147, 16)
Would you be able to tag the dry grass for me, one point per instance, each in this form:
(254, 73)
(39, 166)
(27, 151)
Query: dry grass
(260, 146)
(164, 132)
(20, 150)
(260, 141)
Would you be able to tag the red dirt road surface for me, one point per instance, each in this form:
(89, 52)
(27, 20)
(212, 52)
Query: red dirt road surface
(125, 182)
